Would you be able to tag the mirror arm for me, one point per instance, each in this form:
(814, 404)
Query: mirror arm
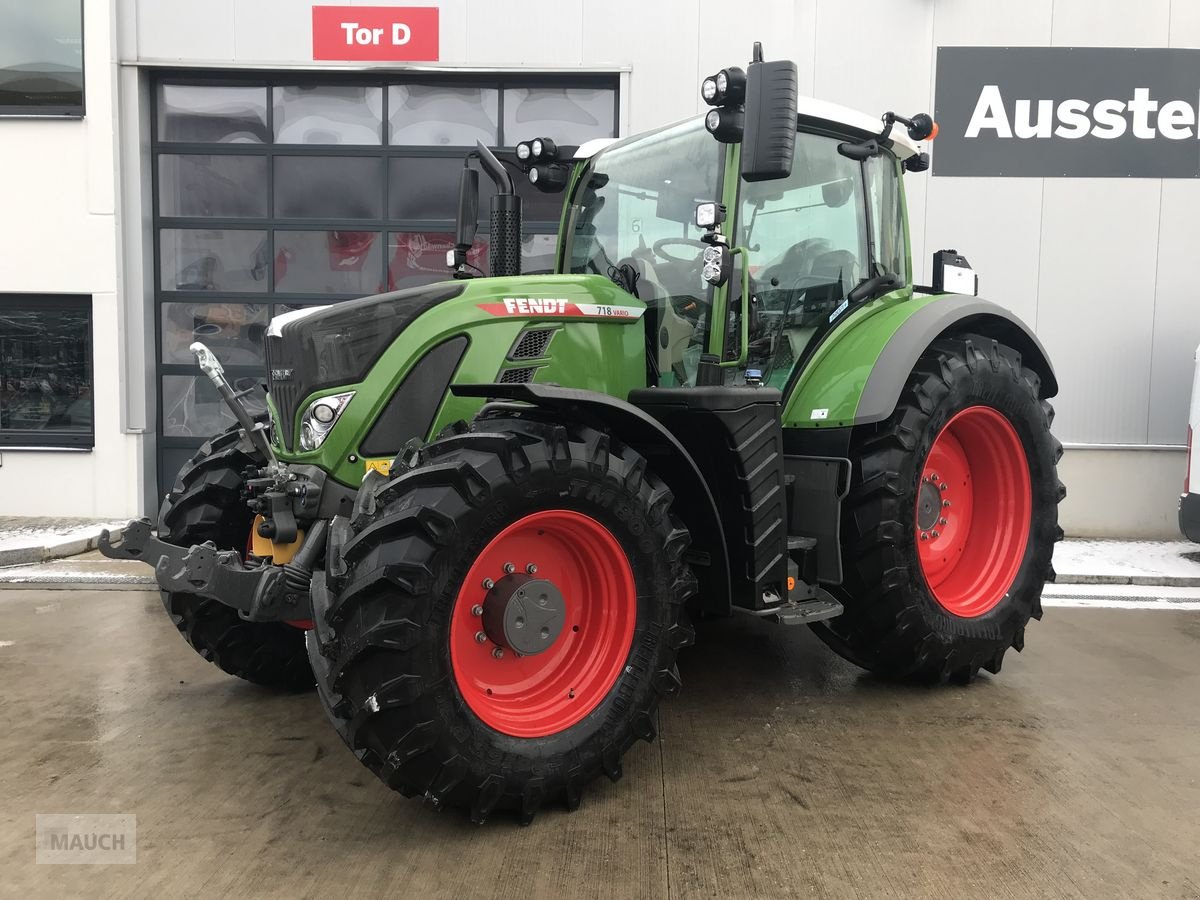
(744, 323)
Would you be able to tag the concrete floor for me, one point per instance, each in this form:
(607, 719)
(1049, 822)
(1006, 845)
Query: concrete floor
(780, 771)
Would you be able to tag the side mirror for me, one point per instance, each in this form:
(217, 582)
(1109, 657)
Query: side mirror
(467, 223)
(772, 97)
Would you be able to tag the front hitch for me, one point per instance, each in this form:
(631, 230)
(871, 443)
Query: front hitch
(260, 593)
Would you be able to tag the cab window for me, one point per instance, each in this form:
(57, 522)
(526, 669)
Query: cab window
(808, 247)
(887, 216)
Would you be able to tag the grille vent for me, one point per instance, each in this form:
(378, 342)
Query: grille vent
(516, 376)
(532, 344)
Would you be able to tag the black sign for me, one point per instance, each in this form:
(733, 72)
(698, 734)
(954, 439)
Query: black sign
(1067, 112)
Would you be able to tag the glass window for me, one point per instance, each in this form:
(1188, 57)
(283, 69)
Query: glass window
(328, 114)
(632, 219)
(887, 216)
(569, 116)
(328, 187)
(45, 371)
(191, 406)
(442, 115)
(329, 262)
(234, 331)
(41, 57)
(230, 187)
(426, 187)
(208, 114)
(214, 260)
(808, 249)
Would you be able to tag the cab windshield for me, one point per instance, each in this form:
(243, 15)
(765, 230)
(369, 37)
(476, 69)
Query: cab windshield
(631, 219)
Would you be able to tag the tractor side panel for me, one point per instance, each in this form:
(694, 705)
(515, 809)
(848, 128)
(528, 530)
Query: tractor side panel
(856, 376)
(596, 342)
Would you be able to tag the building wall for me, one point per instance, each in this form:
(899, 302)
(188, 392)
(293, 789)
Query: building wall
(58, 235)
(1099, 267)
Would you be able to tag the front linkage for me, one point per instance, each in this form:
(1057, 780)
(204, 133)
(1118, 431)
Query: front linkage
(259, 590)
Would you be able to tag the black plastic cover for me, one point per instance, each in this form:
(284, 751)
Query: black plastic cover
(411, 410)
(772, 98)
(340, 344)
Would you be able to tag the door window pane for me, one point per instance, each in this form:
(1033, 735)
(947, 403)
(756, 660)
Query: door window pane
(234, 331)
(214, 260)
(212, 115)
(225, 186)
(328, 114)
(45, 371)
(440, 115)
(41, 57)
(887, 218)
(328, 187)
(328, 262)
(569, 116)
(191, 406)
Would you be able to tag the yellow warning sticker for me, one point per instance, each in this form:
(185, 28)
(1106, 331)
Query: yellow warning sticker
(382, 466)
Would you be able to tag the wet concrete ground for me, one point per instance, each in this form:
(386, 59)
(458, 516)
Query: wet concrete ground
(780, 771)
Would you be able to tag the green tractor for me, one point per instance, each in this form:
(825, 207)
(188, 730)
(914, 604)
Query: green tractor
(482, 514)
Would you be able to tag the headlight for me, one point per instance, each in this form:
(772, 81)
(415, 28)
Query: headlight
(320, 417)
(708, 90)
(524, 151)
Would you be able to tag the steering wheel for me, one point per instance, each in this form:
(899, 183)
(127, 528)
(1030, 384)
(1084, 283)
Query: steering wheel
(658, 245)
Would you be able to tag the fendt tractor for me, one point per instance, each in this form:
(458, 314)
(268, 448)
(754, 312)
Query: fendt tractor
(481, 515)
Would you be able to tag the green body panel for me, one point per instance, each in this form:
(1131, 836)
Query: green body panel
(596, 354)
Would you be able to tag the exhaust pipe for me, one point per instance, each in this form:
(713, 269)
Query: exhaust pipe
(505, 253)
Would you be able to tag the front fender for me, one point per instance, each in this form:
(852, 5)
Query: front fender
(856, 377)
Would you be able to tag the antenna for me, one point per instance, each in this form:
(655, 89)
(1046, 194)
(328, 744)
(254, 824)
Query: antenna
(758, 56)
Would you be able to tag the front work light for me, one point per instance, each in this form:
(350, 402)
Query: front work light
(524, 151)
(726, 88)
(716, 264)
(709, 215)
(726, 123)
(320, 417)
(543, 149)
(548, 179)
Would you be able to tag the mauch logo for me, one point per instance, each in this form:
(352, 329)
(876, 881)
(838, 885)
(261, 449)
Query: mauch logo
(98, 839)
(1141, 116)
(1067, 112)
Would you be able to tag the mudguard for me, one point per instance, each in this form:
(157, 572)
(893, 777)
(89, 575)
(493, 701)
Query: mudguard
(694, 502)
(856, 377)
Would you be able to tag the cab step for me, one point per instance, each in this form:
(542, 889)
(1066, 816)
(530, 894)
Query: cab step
(803, 612)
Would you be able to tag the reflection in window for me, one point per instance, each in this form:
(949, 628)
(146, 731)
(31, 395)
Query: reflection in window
(570, 116)
(328, 187)
(328, 262)
(419, 257)
(191, 406)
(225, 186)
(41, 57)
(211, 114)
(45, 371)
(234, 331)
(214, 260)
(441, 115)
(328, 114)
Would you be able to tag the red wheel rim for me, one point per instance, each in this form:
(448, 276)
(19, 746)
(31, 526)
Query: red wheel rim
(973, 511)
(545, 693)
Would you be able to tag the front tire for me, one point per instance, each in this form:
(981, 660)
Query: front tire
(206, 504)
(411, 659)
(951, 520)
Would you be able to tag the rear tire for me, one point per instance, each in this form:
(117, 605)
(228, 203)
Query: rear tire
(400, 670)
(936, 588)
(206, 504)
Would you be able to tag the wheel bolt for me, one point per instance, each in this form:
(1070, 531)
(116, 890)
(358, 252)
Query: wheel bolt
(509, 568)
(531, 569)
(480, 637)
(497, 652)
(936, 534)
(946, 504)
(933, 476)
(477, 610)
(943, 521)
(488, 584)
(924, 535)
(943, 486)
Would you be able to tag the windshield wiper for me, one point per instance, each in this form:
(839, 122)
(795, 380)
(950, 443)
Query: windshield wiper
(874, 287)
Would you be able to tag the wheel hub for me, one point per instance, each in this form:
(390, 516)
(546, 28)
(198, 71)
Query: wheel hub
(524, 614)
(929, 505)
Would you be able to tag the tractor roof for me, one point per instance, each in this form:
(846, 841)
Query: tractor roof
(812, 112)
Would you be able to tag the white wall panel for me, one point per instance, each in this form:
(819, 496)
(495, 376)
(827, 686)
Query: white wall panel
(1176, 313)
(186, 31)
(503, 34)
(1099, 256)
(1110, 23)
(1013, 23)
(660, 40)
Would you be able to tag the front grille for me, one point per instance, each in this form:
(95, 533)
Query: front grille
(516, 376)
(283, 392)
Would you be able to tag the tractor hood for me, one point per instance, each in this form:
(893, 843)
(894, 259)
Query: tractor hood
(311, 349)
